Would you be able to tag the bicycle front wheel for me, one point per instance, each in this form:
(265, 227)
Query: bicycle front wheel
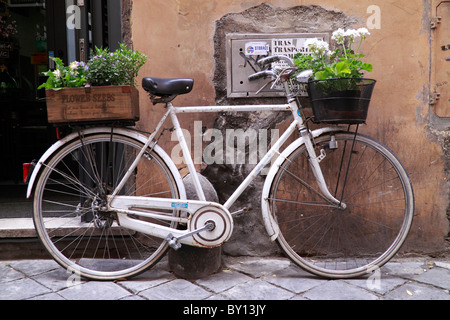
(341, 243)
(70, 215)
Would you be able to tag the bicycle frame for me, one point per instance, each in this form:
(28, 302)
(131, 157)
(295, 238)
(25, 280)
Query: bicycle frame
(122, 204)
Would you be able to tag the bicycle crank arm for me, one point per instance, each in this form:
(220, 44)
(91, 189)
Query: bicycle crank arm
(174, 241)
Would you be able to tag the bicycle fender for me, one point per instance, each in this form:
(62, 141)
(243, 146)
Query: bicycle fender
(123, 131)
(270, 224)
(43, 159)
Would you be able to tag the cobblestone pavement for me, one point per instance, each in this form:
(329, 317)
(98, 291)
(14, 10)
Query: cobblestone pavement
(240, 278)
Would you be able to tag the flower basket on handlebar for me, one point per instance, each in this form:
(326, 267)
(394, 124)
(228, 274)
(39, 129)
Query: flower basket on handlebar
(342, 100)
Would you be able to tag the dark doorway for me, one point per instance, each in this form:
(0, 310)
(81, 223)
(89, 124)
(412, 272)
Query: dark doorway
(30, 32)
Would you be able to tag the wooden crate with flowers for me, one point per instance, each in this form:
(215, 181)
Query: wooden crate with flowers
(103, 89)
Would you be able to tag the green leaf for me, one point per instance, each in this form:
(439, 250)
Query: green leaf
(342, 68)
(367, 66)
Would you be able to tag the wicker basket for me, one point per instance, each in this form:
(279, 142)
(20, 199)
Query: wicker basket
(343, 100)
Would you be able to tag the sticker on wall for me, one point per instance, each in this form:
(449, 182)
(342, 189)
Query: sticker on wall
(256, 48)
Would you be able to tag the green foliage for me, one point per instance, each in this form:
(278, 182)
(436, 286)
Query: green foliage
(104, 68)
(114, 68)
(71, 76)
(339, 63)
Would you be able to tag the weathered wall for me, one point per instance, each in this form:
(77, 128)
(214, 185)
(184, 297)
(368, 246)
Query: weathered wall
(185, 38)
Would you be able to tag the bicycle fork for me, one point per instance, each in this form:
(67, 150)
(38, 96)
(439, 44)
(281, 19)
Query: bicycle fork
(314, 161)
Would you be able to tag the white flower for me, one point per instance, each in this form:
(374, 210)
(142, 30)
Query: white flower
(317, 46)
(339, 35)
(57, 73)
(74, 65)
(351, 33)
(363, 32)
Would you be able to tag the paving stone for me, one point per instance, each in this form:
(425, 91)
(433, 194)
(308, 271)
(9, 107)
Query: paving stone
(417, 291)
(56, 280)
(176, 290)
(34, 267)
(438, 277)
(48, 296)
(133, 297)
(243, 278)
(94, 290)
(378, 283)
(223, 280)
(338, 290)
(443, 264)
(9, 274)
(21, 289)
(147, 280)
(403, 269)
(257, 290)
(256, 266)
(293, 279)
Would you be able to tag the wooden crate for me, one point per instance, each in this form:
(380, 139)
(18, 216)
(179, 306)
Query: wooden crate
(87, 104)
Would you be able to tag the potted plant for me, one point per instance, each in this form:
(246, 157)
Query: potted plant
(337, 88)
(101, 89)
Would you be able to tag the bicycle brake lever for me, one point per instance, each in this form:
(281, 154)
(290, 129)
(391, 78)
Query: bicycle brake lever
(264, 86)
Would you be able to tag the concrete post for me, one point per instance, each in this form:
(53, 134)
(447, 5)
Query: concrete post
(191, 262)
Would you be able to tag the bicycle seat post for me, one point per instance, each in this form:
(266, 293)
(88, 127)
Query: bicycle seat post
(186, 152)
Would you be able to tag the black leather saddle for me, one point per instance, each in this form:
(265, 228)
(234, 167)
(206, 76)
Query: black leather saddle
(162, 87)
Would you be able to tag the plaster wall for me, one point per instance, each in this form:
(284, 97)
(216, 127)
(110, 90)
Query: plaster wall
(180, 39)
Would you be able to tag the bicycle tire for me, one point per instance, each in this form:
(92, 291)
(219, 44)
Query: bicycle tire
(67, 209)
(342, 243)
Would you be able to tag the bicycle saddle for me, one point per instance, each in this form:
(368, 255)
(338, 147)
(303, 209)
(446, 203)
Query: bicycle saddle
(167, 87)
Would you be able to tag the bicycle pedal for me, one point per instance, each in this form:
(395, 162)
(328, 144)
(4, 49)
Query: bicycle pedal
(173, 242)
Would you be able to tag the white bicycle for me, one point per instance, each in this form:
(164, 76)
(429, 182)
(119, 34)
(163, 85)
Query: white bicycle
(109, 202)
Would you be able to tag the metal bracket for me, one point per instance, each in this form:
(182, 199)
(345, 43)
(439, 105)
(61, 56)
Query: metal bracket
(322, 155)
(435, 21)
(434, 97)
(333, 143)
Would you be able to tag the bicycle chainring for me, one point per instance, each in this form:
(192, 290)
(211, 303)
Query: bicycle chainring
(222, 221)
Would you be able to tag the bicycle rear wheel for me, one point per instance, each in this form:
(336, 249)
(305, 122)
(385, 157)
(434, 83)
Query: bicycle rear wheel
(69, 206)
(343, 243)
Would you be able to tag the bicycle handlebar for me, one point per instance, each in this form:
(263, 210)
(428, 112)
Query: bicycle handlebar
(271, 59)
(261, 74)
(268, 73)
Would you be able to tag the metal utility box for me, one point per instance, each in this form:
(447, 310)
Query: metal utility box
(244, 50)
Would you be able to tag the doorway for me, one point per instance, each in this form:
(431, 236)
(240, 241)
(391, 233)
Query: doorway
(30, 32)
